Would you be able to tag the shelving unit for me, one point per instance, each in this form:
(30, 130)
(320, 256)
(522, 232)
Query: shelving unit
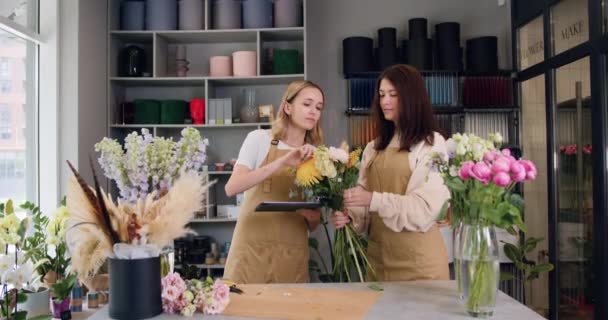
(162, 83)
(446, 91)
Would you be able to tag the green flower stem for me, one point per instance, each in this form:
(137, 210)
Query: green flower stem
(457, 270)
(331, 252)
(481, 288)
(354, 253)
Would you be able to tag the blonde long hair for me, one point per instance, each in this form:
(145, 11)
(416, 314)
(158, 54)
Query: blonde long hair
(279, 126)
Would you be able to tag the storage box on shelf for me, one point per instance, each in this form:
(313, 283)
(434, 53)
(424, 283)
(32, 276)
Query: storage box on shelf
(175, 66)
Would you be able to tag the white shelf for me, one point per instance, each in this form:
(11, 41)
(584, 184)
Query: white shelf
(257, 80)
(209, 36)
(282, 34)
(160, 81)
(213, 36)
(213, 220)
(133, 36)
(199, 81)
(180, 126)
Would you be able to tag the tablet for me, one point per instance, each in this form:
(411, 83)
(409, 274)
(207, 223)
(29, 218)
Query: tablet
(286, 206)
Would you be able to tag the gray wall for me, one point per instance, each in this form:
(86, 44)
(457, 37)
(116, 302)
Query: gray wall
(331, 21)
(82, 85)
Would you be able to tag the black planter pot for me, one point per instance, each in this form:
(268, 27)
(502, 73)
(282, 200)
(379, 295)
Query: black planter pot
(135, 288)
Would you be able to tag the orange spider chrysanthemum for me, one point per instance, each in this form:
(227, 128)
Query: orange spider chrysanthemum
(307, 174)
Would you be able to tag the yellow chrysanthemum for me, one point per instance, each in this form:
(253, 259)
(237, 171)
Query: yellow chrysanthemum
(307, 174)
(353, 158)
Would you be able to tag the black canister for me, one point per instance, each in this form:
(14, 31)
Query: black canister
(417, 28)
(420, 54)
(357, 55)
(386, 57)
(403, 52)
(132, 61)
(387, 37)
(447, 36)
(135, 288)
(482, 54)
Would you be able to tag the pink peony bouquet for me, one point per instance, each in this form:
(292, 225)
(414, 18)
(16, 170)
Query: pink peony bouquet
(480, 178)
(188, 297)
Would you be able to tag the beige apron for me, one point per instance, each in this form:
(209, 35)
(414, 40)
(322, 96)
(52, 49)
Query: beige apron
(269, 247)
(405, 255)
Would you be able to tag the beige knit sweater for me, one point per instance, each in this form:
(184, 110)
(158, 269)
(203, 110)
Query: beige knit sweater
(425, 194)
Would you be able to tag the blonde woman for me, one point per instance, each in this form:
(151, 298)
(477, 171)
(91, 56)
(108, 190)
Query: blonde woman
(273, 247)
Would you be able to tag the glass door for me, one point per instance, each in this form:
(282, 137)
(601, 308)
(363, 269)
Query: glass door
(573, 152)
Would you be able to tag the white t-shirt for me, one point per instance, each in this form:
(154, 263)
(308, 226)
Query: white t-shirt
(255, 148)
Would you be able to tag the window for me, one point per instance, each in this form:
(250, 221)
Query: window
(5, 87)
(5, 122)
(21, 12)
(4, 70)
(569, 25)
(18, 65)
(530, 44)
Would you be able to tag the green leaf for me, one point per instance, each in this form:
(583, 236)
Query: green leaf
(62, 288)
(512, 252)
(21, 297)
(494, 215)
(456, 185)
(506, 276)
(543, 267)
(516, 200)
(23, 228)
(531, 244)
(313, 243)
(443, 213)
(376, 287)
(533, 275)
(8, 209)
(19, 315)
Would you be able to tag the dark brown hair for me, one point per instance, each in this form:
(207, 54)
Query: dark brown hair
(416, 119)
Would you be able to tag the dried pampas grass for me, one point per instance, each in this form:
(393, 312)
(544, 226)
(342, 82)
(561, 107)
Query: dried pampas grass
(96, 222)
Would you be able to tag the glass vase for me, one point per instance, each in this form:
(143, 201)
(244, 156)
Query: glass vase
(480, 270)
(249, 112)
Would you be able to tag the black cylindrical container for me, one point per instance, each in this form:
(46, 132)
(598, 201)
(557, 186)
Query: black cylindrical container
(386, 57)
(357, 55)
(420, 54)
(447, 35)
(135, 288)
(131, 61)
(417, 28)
(482, 54)
(387, 37)
(403, 52)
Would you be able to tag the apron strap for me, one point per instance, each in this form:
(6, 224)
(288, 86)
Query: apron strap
(271, 155)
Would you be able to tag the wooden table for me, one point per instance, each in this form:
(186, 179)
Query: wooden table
(403, 300)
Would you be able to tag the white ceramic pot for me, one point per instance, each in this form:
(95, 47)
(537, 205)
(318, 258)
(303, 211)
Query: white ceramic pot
(37, 303)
